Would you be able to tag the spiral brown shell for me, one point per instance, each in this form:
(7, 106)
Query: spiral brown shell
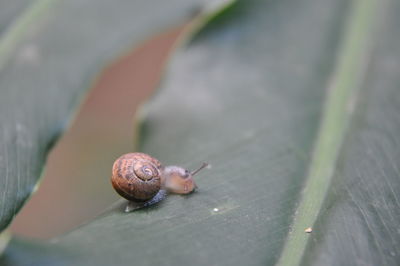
(136, 176)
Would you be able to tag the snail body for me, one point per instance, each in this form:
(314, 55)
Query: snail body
(143, 180)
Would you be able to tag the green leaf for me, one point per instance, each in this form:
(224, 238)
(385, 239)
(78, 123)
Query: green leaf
(50, 52)
(296, 105)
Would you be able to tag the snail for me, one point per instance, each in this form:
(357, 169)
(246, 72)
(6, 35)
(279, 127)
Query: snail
(144, 181)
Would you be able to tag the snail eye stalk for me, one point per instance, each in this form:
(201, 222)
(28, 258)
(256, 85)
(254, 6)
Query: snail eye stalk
(204, 165)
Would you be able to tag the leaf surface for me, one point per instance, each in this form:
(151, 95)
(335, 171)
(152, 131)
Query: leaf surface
(50, 52)
(296, 106)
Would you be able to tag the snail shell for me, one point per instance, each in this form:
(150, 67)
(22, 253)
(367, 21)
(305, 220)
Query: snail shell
(137, 176)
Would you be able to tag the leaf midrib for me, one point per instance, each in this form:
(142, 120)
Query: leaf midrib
(346, 80)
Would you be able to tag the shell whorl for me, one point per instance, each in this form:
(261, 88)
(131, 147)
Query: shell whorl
(136, 176)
